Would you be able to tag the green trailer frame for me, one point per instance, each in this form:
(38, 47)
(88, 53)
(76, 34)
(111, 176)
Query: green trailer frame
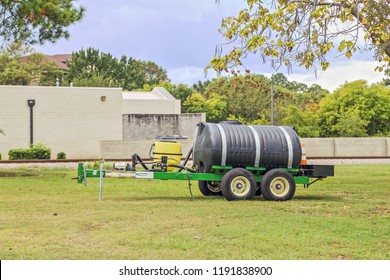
(234, 183)
(216, 174)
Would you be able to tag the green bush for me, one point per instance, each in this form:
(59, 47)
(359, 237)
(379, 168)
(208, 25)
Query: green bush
(61, 155)
(40, 151)
(17, 154)
(37, 151)
(0, 156)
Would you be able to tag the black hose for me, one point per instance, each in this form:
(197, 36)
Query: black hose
(187, 158)
(134, 159)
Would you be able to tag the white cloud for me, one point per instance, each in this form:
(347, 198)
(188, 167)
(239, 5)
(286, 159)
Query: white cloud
(189, 75)
(341, 72)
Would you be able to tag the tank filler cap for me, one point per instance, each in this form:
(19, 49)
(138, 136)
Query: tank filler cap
(170, 138)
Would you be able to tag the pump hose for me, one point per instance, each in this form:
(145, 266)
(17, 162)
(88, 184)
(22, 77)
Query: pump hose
(187, 172)
(187, 158)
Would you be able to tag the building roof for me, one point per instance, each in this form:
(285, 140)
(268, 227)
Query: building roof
(60, 60)
(158, 93)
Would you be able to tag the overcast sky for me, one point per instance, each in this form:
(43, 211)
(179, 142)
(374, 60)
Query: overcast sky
(181, 36)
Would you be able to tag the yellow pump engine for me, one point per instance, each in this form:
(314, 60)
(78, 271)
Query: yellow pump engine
(167, 146)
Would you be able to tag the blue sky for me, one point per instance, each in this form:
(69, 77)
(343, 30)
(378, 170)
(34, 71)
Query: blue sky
(181, 36)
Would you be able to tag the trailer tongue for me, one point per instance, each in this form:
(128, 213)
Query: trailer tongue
(229, 159)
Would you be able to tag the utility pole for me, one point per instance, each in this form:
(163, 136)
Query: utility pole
(31, 104)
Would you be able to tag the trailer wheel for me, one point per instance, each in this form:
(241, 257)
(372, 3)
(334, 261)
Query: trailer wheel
(208, 188)
(238, 184)
(277, 185)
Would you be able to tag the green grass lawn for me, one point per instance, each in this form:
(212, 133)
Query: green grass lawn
(46, 215)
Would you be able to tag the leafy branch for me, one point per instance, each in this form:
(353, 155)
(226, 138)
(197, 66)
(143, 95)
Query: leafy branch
(304, 32)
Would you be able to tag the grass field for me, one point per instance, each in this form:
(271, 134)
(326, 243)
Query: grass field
(46, 215)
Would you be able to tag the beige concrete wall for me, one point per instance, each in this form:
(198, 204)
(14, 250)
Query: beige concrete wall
(388, 146)
(148, 126)
(70, 120)
(360, 147)
(347, 147)
(319, 147)
(151, 107)
(139, 130)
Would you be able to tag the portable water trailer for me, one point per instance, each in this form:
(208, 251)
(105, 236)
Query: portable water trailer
(228, 159)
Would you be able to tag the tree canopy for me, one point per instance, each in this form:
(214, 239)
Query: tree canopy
(37, 21)
(20, 65)
(304, 32)
(386, 81)
(92, 66)
(356, 109)
(243, 97)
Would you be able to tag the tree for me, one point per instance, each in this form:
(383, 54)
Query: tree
(356, 109)
(19, 65)
(248, 98)
(304, 32)
(201, 86)
(214, 106)
(386, 81)
(304, 121)
(44, 72)
(95, 80)
(90, 67)
(350, 124)
(128, 73)
(37, 21)
(154, 74)
(180, 91)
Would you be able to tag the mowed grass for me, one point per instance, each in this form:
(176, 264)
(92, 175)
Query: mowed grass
(46, 215)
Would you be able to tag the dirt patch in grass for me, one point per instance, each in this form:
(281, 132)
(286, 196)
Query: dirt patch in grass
(18, 174)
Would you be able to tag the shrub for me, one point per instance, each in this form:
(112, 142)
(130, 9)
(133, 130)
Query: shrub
(40, 151)
(0, 156)
(61, 155)
(37, 151)
(17, 154)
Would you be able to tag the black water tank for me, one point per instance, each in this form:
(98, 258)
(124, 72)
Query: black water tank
(231, 143)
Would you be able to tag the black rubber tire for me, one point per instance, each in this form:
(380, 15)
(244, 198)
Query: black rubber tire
(277, 185)
(238, 184)
(204, 188)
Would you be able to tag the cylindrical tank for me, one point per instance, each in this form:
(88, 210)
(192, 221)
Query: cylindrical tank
(231, 143)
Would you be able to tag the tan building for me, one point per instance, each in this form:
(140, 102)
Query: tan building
(73, 120)
(158, 101)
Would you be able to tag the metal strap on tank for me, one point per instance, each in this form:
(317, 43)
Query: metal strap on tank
(289, 146)
(224, 145)
(257, 142)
